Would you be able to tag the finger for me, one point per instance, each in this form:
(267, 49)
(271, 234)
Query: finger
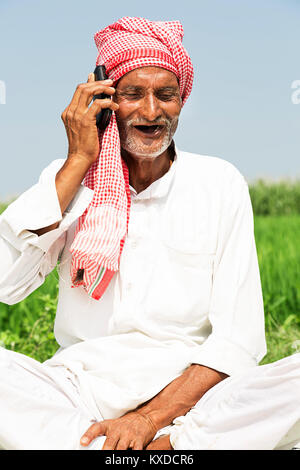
(96, 107)
(88, 93)
(68, 112)
(110, 443)
(95, 430)
(91, 78)
(75, 98)
(76, 95)
(84, 100)
(123, 444)
(138, 445)
(82, 87)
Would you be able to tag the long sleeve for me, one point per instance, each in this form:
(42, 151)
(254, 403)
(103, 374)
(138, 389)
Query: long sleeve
(26, 258)
(236, 313)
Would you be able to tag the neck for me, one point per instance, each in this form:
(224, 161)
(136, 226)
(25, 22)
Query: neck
(143, 171)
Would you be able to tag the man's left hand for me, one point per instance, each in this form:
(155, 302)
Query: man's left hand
(131, 431)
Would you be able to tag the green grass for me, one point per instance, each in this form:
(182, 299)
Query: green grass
(27, 327)
(282, 198)
(277, 241)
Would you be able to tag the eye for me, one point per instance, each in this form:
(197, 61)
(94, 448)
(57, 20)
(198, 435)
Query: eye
(165, 97)
(132, 96)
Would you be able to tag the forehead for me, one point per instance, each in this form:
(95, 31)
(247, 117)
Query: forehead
(153, 77)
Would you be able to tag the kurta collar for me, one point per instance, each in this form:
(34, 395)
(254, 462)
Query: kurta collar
(160, 187)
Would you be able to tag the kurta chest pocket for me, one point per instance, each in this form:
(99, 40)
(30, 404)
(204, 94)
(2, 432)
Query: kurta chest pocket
(181, 289)
(188, 254)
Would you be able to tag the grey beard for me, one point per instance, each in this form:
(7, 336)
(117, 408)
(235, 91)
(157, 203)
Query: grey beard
(132, 146)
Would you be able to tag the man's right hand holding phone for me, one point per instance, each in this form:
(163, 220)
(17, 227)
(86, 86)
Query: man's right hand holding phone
(80, 119)
(83, 143)
(80, 122)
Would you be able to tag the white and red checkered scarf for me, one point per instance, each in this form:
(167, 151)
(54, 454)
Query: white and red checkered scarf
(127, 44)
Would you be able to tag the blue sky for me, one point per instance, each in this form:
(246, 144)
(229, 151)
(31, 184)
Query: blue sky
(245, 54)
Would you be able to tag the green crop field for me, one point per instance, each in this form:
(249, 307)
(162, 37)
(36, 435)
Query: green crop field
(27, 327)
(277, 241)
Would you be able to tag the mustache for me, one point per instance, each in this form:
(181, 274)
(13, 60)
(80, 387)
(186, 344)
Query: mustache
(142, 122)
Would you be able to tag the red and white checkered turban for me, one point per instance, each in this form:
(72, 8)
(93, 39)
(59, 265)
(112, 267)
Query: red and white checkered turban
(127, 44)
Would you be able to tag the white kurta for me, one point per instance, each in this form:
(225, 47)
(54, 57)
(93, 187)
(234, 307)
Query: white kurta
(187, 291)
(188, 288)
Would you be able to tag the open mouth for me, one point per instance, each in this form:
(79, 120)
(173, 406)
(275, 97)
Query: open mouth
(150, 130)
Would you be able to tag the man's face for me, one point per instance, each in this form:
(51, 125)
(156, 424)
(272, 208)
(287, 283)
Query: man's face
(149, 107)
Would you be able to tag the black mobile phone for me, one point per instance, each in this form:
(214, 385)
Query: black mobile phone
(102, 118)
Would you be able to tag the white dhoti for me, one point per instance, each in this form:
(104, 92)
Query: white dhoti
(41, 408)
(255, 410)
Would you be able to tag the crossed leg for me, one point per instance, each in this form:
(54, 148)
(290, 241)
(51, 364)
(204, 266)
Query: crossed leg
(40, 408)
(258, 409)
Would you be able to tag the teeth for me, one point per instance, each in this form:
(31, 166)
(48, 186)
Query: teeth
(148, 129)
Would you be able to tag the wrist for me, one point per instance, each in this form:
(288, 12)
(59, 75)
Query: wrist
(69, 178)
(164, 415)
(81, 160)
(149, 420)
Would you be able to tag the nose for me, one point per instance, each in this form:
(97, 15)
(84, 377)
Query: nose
(150, 109)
